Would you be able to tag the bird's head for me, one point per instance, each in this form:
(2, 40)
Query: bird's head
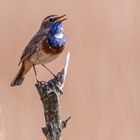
(52, 23)
(52, 26)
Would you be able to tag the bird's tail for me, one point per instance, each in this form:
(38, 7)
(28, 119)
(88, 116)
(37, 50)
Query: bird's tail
(20, 75)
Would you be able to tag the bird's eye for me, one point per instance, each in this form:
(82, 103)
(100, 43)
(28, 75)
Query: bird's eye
(51, 20)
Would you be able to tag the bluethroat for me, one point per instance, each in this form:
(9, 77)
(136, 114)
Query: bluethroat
(46, 45)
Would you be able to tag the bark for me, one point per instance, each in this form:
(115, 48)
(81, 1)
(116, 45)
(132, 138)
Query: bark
(50, 93)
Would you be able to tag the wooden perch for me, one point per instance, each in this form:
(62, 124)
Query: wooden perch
(50, 93)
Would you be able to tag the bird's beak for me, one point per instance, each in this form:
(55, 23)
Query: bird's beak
(60, 18)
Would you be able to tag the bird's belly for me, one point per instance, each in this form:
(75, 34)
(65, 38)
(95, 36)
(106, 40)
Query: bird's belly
(41, 57)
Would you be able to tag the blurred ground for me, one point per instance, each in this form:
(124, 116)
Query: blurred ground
(102, 91)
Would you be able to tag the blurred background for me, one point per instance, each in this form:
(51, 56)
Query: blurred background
(102, 90)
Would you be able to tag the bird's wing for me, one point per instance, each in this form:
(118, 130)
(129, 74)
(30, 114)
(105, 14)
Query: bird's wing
(31, 47)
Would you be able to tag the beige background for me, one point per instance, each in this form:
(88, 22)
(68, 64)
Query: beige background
(102, 91)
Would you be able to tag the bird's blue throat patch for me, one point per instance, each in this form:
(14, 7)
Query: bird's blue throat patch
(56, 37)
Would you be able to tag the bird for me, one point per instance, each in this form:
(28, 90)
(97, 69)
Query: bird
(45, 46)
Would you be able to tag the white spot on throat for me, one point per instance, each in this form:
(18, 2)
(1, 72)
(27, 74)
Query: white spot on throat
(59, 35)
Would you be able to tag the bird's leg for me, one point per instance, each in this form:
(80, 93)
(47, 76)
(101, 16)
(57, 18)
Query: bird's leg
(49, 70)
(35, 74)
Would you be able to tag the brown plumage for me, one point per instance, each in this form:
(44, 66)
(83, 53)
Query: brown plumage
(25, 67)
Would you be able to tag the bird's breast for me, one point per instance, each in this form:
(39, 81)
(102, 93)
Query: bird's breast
(42, 58)
(45, 53)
